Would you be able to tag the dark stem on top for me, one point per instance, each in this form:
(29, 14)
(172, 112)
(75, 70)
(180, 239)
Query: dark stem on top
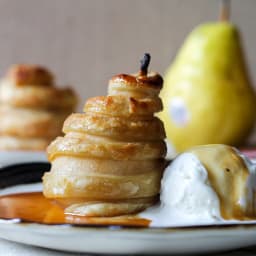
(144, 63)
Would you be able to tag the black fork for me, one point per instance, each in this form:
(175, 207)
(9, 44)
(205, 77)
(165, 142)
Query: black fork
(22, 173)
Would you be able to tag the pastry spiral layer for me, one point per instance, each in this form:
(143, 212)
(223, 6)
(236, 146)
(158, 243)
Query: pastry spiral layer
(32, 108)
(111, 159)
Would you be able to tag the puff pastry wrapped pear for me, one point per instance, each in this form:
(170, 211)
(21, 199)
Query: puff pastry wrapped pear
(32, 109)
(111, 159)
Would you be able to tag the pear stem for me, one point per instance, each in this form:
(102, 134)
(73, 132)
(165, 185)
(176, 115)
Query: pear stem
(224, 14)
(144, 63)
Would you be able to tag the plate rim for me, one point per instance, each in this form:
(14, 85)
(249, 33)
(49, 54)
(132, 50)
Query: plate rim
(128, 237)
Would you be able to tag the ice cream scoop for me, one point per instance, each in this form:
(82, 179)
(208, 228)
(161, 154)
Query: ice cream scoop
(211, 183)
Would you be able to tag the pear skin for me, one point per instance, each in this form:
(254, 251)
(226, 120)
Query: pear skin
(207, 96)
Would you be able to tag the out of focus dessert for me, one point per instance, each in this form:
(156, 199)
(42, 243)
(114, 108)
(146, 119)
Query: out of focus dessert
(32, 108)
(110, 161)
(207, 184)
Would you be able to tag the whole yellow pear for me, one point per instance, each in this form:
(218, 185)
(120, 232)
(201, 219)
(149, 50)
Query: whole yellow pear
(207, 96)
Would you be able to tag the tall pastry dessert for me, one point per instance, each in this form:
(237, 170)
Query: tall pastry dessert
(32, 108)
(110, 161)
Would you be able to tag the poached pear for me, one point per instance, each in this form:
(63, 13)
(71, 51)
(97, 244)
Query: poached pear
(207, 96)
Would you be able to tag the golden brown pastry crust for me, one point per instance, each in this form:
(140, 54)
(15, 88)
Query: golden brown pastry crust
(102, 166)
(117, 128)
(24, 74)
(80, 147)
(110, 161)
(136, 86)
(123, 106)
(109, 209)
(152, 80)
(108, 183)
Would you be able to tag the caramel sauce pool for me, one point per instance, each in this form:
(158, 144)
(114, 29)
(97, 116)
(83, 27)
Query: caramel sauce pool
(227, 174)
(34, 207)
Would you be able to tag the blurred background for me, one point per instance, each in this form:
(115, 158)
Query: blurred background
(85, 42)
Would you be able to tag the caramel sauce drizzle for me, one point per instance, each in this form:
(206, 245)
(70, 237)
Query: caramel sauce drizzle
(34, 207)
(228, 176)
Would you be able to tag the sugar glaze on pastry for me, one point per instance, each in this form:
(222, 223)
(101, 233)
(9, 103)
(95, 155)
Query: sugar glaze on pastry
(111, 159)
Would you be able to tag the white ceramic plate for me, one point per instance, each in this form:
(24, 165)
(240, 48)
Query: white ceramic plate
(127, 240)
